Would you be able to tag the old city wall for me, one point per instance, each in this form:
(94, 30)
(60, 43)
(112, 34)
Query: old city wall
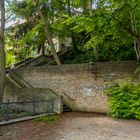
(81, 85)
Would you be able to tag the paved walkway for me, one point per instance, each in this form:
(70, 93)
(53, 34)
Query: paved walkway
(74, 126)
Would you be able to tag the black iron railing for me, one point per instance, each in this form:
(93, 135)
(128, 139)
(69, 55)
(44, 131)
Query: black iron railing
(13, 110)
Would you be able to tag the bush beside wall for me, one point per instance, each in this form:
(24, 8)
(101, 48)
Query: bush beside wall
(124, 101)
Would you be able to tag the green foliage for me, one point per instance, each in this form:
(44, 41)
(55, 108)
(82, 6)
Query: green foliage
(48, 118)
(9, 59)
(137, 71)
(83, 57)
(124, 101)
(111, 27)
(2, 111)
(101, 30)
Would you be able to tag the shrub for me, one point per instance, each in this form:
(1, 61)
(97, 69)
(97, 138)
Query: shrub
(124, 101)
(84, 57)
(48, 118)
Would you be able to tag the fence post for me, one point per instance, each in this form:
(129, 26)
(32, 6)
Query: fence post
(34, 112)
(61, 104)
(52, 103)
(7, 111)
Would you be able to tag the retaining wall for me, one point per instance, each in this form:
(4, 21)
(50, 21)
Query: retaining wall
(81, 85)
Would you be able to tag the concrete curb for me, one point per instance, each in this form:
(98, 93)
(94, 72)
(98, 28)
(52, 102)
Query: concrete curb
(23, 119)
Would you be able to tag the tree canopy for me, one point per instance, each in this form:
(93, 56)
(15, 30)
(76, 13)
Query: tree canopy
(100, 30)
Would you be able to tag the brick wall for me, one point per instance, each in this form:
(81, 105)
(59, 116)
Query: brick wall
(81, 87)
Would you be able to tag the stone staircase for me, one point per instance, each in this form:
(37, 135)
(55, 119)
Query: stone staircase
(21, 83)
(18, 80)
(66, 108)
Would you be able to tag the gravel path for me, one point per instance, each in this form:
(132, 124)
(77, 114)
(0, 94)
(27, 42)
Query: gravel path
(74, 126)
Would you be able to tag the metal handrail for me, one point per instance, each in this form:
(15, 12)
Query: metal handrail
(68, 96)
(21, 78)
(27, 101)
(13, 81)
(62, 95)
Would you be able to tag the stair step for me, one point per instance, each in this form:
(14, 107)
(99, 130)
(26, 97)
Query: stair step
(66, 108)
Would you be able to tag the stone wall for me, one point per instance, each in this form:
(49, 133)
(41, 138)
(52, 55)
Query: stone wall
(80, 85)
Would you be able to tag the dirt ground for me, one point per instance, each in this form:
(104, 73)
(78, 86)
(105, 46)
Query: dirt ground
(74, 126)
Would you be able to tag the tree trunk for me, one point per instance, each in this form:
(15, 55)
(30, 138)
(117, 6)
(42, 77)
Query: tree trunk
(49, 38)
(2, 50)
(135, 39)
(84, 4)
(74, 44)
(90, 7)
(96, 53)
(43, 49)
(138, 48)
(90, 14)
(87, 6)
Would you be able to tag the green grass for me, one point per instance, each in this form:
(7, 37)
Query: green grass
(48, 118)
